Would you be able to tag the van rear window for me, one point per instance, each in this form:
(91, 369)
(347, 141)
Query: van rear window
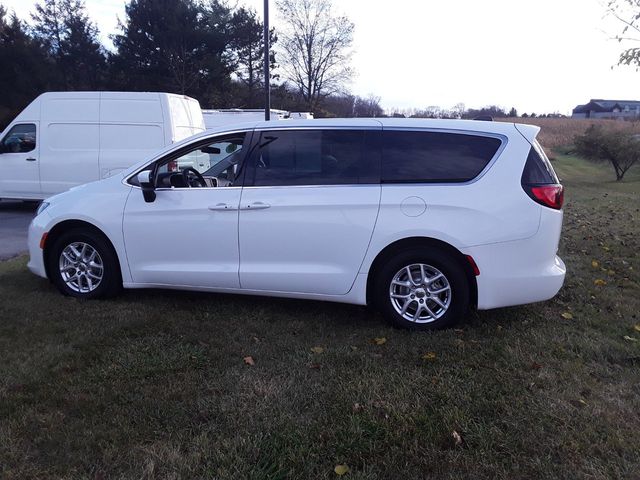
(435, 157)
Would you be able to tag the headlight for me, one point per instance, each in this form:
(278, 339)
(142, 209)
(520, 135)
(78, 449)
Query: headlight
(43, 206)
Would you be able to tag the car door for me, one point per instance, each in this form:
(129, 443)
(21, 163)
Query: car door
(19, 161)
(188, 236)
(308, 210)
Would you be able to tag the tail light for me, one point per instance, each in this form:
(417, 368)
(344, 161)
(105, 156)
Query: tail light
(540, 181)
(551, 196)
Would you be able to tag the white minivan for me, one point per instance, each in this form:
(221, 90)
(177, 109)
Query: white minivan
(64, 139)
(420, 218)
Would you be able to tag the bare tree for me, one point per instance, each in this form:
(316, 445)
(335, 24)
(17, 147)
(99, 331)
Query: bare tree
(315, 48)
(628, 13)
(367, 107)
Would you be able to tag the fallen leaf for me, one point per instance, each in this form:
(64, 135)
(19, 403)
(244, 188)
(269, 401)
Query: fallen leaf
(636, 327)
(611, 272)
(317, 349)
(379, 340)
(429, 356)
(630, 339)
(599, 282)
(341, 470)
(605, 248)
(567, 315)
(353, 348)
(578, 403)
(249, 361)
(595, 264)
(315, 366)
(457, 439)
(536, 366)
(357, 408)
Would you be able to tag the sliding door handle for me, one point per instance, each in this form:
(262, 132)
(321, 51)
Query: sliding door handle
(222, 207)
(256, 206)
(30, 159)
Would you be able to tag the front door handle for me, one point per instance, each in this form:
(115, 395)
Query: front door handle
(30, 159)
(256, 206)
(222, 207)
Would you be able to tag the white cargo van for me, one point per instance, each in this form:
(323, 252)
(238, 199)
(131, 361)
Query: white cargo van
(64, 139)
(219, 117)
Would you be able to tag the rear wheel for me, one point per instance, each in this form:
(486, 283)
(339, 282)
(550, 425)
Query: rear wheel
(422, 289)
(82, 264)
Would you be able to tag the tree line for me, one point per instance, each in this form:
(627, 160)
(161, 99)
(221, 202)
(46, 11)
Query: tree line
(205, 49)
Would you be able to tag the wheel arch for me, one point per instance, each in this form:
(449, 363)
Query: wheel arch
(426, 243)
(65, 226)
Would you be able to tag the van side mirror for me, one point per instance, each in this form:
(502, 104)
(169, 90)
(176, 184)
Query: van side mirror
(146, 184)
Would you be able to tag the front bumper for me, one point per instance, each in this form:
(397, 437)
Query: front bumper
(37, 228)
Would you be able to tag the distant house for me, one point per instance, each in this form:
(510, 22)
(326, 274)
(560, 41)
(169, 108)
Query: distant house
(613, 109)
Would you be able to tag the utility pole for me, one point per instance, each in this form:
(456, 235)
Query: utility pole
(267, 78)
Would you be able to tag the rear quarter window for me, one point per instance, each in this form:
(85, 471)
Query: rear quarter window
(435, 157)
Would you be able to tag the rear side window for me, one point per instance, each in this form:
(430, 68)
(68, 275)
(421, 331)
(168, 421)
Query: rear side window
(20, 139)
(310, 157)
(430, 157)
(538, 169)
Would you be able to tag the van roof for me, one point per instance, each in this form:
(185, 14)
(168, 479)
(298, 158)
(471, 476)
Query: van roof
(108, 94)
(504, 128)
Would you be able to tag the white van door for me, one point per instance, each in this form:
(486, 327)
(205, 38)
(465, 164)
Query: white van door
(308, 210)
(19, 161)
(186, 236)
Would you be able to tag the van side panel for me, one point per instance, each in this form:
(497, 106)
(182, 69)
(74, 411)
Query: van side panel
(131, 129)
(69, 141)
(136, 108)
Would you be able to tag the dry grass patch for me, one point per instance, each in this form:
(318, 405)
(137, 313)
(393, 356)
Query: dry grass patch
(560, 132)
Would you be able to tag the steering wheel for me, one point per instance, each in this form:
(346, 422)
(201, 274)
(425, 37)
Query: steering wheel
(188, 179)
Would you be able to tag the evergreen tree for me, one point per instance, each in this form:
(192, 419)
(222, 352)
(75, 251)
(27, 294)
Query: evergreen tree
(26, 69)
(176, 46)
(71, 40)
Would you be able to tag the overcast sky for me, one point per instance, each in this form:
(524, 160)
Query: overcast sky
(535, 55)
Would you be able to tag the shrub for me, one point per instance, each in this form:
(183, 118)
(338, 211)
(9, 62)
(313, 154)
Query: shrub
(619, 147)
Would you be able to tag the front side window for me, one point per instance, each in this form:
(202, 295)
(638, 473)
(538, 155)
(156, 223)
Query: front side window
(431, 157)
(310, 157)
(209, 164)
(20, 139)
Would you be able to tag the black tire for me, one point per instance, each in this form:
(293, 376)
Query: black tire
(111, 281)
(454, 277)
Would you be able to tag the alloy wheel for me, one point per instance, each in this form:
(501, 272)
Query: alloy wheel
(420, 293)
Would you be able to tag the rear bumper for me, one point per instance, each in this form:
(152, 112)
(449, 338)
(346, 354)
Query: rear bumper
(522, 271)
(519, 287)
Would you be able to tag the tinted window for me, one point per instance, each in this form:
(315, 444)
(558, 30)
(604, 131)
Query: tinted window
(435, 157)
(538, 169)
(310, 157)
(20, 139)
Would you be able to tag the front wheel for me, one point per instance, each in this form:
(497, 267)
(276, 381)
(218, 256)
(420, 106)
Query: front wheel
(422, 290)
(83, 264)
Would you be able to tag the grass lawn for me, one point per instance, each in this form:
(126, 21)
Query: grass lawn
(154, 384)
